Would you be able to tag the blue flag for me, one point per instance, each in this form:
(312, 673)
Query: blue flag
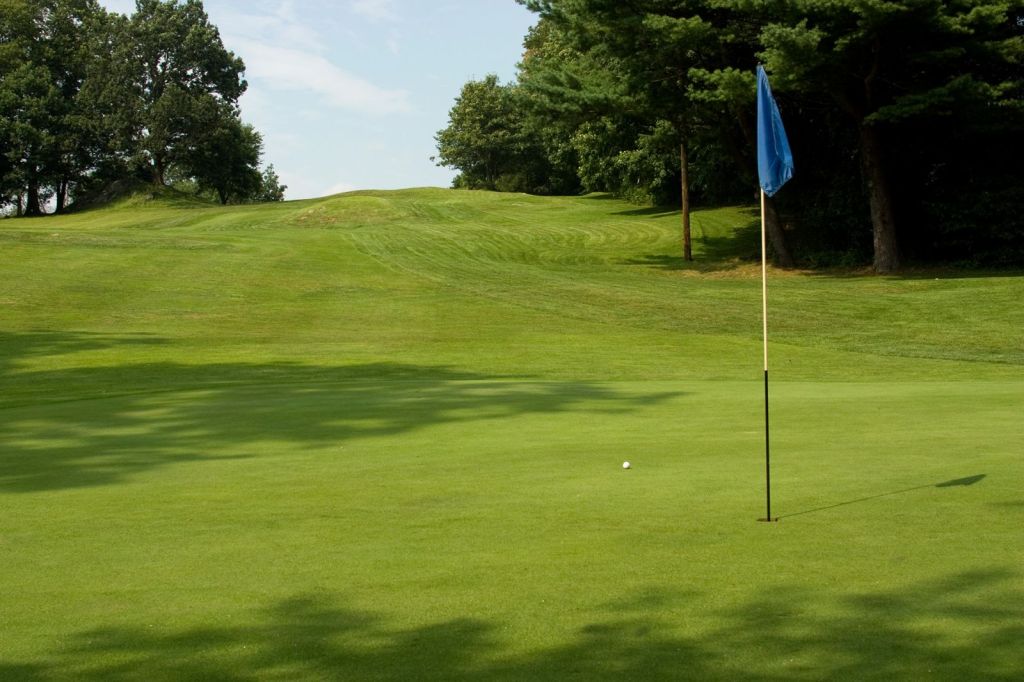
(774, 159)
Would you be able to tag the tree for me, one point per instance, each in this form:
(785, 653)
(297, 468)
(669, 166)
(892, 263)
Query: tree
(26, 105)
(88, 98)
(71, 31)
(165, 71)
(582, 112)
(488, 139)
(890, 65)
(895, 69)
(477, 140)
(270, 188)
(653, 48)
(225, 157)
(45, 47)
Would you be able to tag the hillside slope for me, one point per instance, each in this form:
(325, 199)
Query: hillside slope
(503, 284)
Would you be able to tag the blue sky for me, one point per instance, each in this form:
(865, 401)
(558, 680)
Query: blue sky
(349, 94)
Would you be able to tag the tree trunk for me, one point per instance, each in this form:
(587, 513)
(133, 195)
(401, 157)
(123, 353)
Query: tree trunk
(883, 221)
(685, 186)
(775, 235)
(62, 194)
(21, 205)
(158, 171)
(32, 207)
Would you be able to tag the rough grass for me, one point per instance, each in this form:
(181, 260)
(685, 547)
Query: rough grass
(379, 436)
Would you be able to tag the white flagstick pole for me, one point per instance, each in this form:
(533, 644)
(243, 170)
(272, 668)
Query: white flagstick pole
(764, 280)
(764, 316)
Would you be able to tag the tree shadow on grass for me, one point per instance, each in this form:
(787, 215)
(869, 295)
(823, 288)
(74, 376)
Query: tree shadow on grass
(650, 211)
(968, 625)
(18, 347)
(111, 422)
(918, 272)
(712, 253)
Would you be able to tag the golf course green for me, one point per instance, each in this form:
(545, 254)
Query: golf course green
(380, 436)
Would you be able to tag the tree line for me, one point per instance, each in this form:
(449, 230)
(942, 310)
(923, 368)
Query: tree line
(906, 119)
(91, 99)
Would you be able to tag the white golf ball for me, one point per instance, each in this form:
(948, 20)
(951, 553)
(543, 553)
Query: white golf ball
(625, 465)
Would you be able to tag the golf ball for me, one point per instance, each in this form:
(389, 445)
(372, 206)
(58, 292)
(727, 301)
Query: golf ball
(625, 465)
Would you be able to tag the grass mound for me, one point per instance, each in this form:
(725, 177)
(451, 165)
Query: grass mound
(134, 194)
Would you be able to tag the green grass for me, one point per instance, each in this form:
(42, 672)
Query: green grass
(380, 435)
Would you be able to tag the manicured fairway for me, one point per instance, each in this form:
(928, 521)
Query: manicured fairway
(380, 436)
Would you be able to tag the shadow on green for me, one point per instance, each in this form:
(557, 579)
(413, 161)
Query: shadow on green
(789, 632)
(15, 348)
(713, 253)
(114, 421)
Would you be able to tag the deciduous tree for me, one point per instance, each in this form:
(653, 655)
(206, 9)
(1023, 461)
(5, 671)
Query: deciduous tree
(225, 157)
(45, 48)
(166, 69)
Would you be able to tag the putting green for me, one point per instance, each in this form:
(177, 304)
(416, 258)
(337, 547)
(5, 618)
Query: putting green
(380, 436)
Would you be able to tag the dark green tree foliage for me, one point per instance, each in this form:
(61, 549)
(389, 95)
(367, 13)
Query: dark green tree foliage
(496, 144)
(905, 115)
(72, 31)
(648, 67)
(590, 119)
(962, 195)
(44, 47)
(24, 98)
(88, 98)
(225, 157)
(270, 188)
(166, 76)
(32, 105)
(484, 135)
(898, 69)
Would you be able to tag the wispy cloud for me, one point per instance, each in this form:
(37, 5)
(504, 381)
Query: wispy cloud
(281, 27)
(340, 188)
(376, 10)
(290, 69)
(283, 51)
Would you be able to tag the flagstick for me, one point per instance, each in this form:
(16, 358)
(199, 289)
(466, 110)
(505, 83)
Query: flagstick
(764, 317)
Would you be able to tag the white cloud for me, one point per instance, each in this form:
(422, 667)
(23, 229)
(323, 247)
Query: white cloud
(339, 188)
(291, 69)
(281, 28)
(286, 11)
(376, 10)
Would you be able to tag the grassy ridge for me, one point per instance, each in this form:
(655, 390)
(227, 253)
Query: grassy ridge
(378, 436)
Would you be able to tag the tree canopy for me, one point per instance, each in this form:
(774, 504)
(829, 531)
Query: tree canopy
(905, 116)
(88, 97)
(498, 144)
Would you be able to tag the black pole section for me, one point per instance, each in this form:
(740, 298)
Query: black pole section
(767, 456)
(767, 459)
